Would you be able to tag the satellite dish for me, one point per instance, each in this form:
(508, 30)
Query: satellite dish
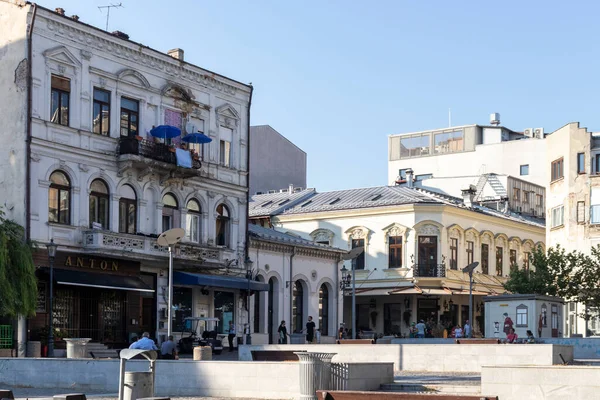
(352, 254)
(170, 237)
(469, 268)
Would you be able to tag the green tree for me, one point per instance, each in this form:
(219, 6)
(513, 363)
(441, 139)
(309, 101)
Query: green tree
(18, 284)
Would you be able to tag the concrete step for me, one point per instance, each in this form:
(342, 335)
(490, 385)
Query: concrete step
(431, 388)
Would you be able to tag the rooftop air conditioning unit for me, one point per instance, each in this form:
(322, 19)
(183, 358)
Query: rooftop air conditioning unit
(528, 132)
(538, 133)
(272, 191)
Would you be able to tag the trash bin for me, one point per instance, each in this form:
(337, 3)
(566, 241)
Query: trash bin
(77, 347)
(202, 353)
(315, 373)
(138, 385)
(297, 338)
(34, 349)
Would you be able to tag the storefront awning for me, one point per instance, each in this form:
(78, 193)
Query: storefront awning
(100, 281)
(370, 292)
(229, 282)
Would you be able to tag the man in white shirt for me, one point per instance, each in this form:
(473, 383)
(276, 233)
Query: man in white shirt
(145, 343)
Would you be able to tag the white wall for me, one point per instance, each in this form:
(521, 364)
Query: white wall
(13, 103)
(500, 158)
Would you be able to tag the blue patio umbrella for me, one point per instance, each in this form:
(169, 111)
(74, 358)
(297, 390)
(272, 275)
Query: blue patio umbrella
(199, 138)
(165, 132)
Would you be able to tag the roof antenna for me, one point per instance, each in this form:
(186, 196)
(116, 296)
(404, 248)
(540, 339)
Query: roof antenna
(120, 5)
(449, 117)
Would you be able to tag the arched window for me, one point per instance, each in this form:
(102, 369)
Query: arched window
(99, 201)
(170, 207)
(223, 221)
(127, 210)
(297, 305)
(193, 221)
(59, 198)
(324, 310)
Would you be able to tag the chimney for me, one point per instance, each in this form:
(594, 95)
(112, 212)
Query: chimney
(469, 195)
(60, 11)
(409, 177)
(176, 53)
(75, 17)
(120, 35)
(495, 119)
(291, 188)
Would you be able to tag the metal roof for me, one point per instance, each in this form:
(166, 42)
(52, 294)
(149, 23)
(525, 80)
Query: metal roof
(274, 203)
(360, 198)
(261, 232)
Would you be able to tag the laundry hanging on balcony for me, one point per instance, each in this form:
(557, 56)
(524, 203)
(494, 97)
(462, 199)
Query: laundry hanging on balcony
(165, 132)
(184, 158)
(197, 138)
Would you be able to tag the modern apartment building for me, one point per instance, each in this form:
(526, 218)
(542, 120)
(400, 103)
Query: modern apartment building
(80, 167)
(470, 150)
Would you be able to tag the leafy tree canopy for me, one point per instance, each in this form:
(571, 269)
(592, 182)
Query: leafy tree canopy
(18, 284)
(573, 276)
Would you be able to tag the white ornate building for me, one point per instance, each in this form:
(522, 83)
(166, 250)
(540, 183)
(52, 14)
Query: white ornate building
(415, 244)
(79, 167)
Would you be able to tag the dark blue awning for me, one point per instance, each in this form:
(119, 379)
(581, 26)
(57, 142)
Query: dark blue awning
(229, 282)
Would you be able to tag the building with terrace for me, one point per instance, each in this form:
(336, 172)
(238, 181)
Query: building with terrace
(80, 167)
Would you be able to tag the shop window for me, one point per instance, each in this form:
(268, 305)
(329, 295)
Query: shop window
(59, 104)
(127, 210)
(224, 310)
(522, 316)
(297, 307)
(324, 310)
(59, 198)
(193, 221)
(395, 251)
(223, 225)
(182, 308)
(99, 204)
(169, 212)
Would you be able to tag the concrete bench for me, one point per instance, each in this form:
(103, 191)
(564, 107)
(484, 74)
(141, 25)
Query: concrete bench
(355, 341)
(72, 396)
(355, 395)
(275, 355)
(104, 354)
(6, 394)
(477, 341)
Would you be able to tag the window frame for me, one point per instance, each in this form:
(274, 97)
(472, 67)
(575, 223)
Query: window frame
(225, 153)
(124, 217)
(522, 167)
(60, 92)
(60, 189)
(470, 251)
(393, 249)
(597, 164)
(516, 194)
(499, 260)
(454, 253)
(225, 222)
(101, 104)
(562, 217)
(513, 258)
(557, 169)
(485, 261)
(130, 113)
(324, 309)
(522, 316)
(580, 163)
(359, 262)
(98, 196)
(190, 217)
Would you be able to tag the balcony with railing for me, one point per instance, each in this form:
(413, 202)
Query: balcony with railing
(136, 152)
(429, 270)
(107, 241)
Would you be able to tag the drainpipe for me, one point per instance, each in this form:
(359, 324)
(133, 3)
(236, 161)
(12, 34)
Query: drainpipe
(292, 283)
(246, 253)
(28, 133)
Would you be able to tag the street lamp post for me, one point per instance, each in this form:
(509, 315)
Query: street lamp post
(469, 269)
(169, 239)
(248, 263)
(352, 255)
(51, 255)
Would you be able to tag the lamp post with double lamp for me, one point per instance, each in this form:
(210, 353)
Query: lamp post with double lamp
(469, 270)
(51, 256)
(352, 255)
(169, 239)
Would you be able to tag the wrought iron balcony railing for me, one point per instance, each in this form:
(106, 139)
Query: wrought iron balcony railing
(429, 270)
(149, 149)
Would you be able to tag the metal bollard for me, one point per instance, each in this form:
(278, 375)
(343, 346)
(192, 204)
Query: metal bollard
(315, 372)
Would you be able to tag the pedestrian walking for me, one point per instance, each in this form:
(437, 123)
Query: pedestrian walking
(468, 332)
(282, 330)
(231, 335)
(310, 330)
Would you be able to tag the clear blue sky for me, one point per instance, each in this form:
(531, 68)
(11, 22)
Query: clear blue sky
(336, 77)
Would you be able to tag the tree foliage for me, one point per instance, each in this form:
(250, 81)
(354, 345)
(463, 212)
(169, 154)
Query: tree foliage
(573, 276)
(18, 284)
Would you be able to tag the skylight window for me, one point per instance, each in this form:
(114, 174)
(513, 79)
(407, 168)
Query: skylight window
(307, 203)
(284, 202)
(377, 197)
(335, 201)
(268, 203)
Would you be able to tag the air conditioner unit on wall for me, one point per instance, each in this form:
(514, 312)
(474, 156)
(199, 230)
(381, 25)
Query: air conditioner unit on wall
(538, 133)
(528, 132)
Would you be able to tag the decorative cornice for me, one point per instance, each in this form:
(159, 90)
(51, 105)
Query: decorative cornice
(263, 244)
(177, 70)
